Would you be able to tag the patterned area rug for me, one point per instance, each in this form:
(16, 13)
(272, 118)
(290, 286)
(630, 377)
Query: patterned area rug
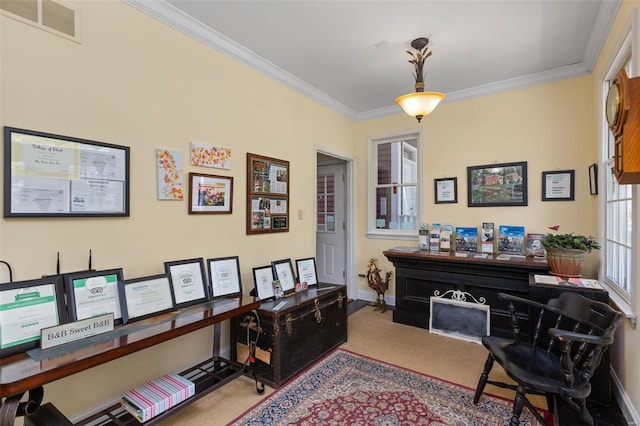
(345, 388)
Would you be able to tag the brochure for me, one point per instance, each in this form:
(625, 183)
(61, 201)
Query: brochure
(487, 237)
(511, 239)
(534, 245)
(423, 236)
(434, 237)
(466, 239)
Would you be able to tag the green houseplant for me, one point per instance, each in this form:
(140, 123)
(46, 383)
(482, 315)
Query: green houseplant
(566, 252)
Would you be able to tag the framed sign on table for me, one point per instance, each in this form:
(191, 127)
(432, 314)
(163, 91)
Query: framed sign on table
(224, 276)
(283, 271)
(188, 281)
(145, 297)
(267, 194)
(26, 307)
(263, 282)
(307, 271)
(93, 293)
(47, 175)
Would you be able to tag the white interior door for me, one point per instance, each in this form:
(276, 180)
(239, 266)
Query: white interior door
(330, 221)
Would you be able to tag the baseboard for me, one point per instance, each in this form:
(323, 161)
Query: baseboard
(626, 406)
(224, 353)
(370, 296)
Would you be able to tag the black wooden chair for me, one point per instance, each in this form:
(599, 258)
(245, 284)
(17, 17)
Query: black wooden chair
(558, 361)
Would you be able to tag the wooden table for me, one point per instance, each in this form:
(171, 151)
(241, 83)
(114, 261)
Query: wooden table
(20, 373)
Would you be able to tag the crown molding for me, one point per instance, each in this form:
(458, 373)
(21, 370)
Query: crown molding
(165, 12)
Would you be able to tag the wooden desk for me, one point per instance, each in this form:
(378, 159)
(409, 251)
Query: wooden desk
(20, 373)
(420, 274)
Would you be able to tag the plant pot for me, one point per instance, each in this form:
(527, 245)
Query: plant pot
(565, 262)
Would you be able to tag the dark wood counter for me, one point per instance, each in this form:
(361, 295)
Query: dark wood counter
(420, 274)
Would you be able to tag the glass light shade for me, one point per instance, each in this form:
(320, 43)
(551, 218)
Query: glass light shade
(419, 104)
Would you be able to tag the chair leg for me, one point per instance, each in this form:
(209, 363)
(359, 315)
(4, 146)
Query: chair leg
(518, 404)
(483, 379)
(585, 416)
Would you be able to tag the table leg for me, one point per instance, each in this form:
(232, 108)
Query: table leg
(12, 408)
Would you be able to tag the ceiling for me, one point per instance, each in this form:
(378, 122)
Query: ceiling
(351, 55)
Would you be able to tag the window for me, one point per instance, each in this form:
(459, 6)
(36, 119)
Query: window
(618, 271)
(394, 185)
(47, 15)
(325, 204)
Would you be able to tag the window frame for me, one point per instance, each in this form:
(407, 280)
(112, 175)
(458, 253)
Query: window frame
(372, 178)
(626, 52)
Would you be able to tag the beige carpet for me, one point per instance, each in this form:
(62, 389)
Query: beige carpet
(372, 334)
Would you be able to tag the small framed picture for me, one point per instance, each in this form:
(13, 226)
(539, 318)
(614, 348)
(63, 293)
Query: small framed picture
(93, 293)
(210, 194)
(26, 307)
(263, 281)
(145, 297)
(188, 281)
(557, 185)
(307, 272)
(283, 272)
(593, 179)
(446, 190)
(224, 276)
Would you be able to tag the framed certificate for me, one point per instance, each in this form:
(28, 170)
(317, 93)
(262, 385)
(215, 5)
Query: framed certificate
(446, 190)
(145, 297)
(26, 307)
(558, 185)
(263, 281)
(188, 281)
(307, 271)
(93, 293)
(283, 271)
(48, 175)
(224, 276)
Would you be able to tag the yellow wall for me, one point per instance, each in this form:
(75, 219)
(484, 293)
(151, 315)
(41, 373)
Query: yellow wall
(134, 81)
(548, 126)
(624, 355)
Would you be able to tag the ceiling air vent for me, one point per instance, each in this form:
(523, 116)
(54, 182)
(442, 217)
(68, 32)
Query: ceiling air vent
(44, 14)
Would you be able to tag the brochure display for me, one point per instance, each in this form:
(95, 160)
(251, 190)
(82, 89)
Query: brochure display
(267, 194)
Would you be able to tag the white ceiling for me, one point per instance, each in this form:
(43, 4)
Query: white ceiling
(351, 55)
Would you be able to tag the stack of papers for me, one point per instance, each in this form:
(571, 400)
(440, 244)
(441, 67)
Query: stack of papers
(573, 282)
(157, 396)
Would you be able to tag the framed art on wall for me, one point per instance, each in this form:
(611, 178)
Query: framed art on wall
(210, 194)
(93, 293)
(224, 276)
(593, 179)
(497, 185)
(267, 194)
(188, 281)
(47, 175)
(558, 185)
(26, 307)
(446, 190)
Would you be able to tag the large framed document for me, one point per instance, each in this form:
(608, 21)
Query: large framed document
(307, 271)
(283, 271)
(224, 276)
(145, 297)
(93, 293)
(188, 281)
(26, 307)
(51, 175)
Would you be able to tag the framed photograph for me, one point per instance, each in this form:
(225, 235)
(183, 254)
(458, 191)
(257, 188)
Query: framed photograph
(263, 281)
(307, 271)
(593, 179)
(224, 276)
(497, 185)
(446, 190)
(47, 175)
(188, 281)
(93, 293)
(145, 297)
(557, 185)
(210, 194)
(26, 307)
(267, 194)
(283, 272)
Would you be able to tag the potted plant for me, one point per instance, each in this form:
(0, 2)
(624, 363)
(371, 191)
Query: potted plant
(566, 252)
